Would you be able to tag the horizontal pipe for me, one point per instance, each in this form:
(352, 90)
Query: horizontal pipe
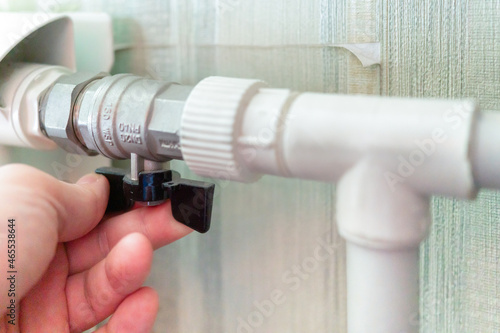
(422, 144)
(485, 151)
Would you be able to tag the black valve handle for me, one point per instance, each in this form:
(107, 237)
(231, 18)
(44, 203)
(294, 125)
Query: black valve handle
(191, 200)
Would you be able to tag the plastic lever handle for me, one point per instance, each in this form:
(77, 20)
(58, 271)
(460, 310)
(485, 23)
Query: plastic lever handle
(118, 200)
(191, 202)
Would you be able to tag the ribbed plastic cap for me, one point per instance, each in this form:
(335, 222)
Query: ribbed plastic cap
(211, 124)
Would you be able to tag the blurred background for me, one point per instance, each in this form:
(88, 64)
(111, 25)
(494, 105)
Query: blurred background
(264, 235)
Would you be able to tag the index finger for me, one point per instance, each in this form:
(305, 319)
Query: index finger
(156, 223)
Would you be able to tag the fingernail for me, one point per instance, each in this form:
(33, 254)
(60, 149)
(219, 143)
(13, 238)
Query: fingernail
(88, 179)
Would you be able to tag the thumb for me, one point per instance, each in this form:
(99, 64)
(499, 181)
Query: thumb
(72, 209)
(84, 205)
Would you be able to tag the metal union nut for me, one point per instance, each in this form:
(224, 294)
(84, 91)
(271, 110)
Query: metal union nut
(165, 124)
(57, 111)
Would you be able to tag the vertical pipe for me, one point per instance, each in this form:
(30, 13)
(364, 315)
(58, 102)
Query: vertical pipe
(382, 290)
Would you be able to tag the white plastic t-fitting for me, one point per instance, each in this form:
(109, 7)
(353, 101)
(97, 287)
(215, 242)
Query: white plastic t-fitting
(388, 155)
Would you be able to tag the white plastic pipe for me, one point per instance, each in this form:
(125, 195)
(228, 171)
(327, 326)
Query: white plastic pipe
(383, 290)
(21, 89)
(383, 228)
(485, 151)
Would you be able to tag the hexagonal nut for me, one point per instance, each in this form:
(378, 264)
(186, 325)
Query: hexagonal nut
(165, 123)
(57, 110)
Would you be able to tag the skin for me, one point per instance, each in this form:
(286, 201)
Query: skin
(75, 266)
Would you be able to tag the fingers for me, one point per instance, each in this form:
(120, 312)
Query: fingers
(46, 211)
(137, 313)
(95, 294)
(156, 223)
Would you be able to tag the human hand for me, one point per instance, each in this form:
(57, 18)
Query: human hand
(72, 271)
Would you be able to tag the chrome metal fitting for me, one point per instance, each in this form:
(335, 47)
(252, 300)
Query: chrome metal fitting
(115, 116)
(165, 124)
(56, 115)
(124, 114)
